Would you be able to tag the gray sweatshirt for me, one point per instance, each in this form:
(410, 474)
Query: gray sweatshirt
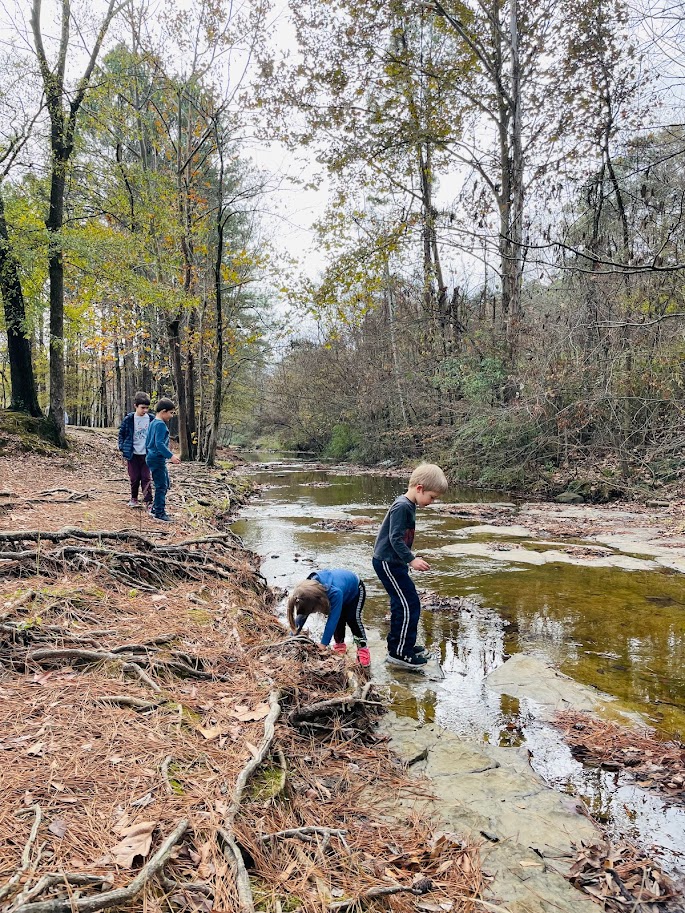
(396, 535)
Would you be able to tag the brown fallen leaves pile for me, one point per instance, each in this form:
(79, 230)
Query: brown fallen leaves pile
(653, 764)
(620, 878)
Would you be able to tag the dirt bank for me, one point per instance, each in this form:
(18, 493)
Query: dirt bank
(164, 744)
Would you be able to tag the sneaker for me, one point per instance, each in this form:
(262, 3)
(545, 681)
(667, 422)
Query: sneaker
(363, 656)
(340, 648)
(406, 662)
(166, 518)
(134, 502)
(418, 649)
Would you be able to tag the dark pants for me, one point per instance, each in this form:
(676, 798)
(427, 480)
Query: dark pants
(405, 606)
(160, 477)
(139, 474)
(351, 617)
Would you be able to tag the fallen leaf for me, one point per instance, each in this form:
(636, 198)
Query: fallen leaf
(260, 712)
(529, 864)
(58, 827)
(211, 732)
(36, 748)
(40, 678)
(137, 840)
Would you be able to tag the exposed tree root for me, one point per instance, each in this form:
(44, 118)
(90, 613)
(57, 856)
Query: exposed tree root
(10, 887)
(146, 565)
(233, 854)
(110, 898)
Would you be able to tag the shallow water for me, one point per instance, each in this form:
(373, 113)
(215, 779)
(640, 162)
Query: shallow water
(621, 631)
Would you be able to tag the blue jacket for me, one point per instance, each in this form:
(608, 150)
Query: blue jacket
(157, 442)
(341, 587)
(126, 435)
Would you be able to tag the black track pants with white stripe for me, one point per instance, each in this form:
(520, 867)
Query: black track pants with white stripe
(405, 606)
(351, 617)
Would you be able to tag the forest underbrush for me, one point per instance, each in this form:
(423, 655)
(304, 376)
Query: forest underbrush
(166, 745)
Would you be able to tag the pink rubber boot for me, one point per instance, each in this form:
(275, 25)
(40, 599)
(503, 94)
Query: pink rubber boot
(363, 656)
(340, 648)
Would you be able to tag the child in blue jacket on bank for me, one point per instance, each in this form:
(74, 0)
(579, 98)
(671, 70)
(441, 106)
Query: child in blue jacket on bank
(340, 595)
(158, 452)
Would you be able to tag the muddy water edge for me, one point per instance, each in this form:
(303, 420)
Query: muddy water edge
(617, 630)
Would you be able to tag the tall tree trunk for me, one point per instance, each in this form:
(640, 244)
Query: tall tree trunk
(62, 131)
(174, 337)
(393, 344)
(54, 224)
(24, 397)
(219, 327)
(191, 417)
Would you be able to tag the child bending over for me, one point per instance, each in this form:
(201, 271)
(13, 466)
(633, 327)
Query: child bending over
(338, 594)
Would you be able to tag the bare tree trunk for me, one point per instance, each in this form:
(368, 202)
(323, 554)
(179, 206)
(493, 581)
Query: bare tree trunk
(62, 131)
(190, 387)
(221, 218)
(24, 397)
(173, 335)
(393, 344)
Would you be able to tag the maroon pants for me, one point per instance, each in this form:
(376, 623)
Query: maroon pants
(139, 474)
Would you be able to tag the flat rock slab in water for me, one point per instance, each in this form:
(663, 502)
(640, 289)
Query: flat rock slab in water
(582, 556)
(525, 676)
(491, 792)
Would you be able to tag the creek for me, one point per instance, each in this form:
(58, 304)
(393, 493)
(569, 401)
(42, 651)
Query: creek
(617, 630)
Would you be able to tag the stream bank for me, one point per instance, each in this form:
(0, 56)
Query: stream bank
(615, 633)
(165, 746)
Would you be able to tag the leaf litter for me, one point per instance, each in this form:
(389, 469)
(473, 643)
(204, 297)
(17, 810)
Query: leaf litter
(127, 727)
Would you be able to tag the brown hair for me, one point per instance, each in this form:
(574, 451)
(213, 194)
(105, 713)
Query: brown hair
(141, 399)
(165, 405)
(308, 596)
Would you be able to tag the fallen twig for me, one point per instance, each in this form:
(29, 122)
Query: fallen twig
(10, 886)
(304, 833)
(126, 700)
(119, 895)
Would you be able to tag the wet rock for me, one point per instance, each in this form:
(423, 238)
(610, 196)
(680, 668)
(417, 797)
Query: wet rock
(569, 497)
(485, 791)
(525, 676)
(434, 603)
(345, 525)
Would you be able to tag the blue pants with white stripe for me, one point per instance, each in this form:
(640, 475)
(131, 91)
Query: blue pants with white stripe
(405, 606)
